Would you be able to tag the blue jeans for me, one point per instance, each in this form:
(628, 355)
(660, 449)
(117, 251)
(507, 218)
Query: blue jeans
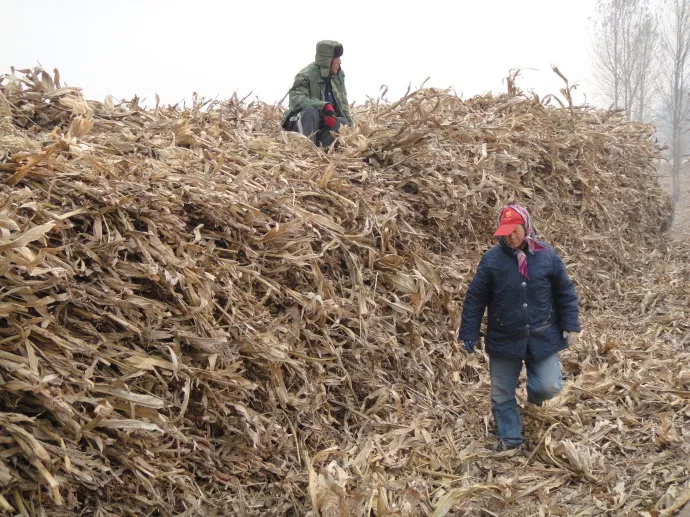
(544, 381)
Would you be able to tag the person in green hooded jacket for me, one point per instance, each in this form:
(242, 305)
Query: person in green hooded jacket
(318, 99)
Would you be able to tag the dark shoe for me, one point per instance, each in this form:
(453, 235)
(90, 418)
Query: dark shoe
(506, 446)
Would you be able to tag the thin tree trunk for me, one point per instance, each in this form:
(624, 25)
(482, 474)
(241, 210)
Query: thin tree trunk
(675, 170)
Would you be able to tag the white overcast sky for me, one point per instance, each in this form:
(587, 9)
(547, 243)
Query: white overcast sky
(255, 47)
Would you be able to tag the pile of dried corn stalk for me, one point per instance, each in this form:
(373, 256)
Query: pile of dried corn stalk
(203, 315)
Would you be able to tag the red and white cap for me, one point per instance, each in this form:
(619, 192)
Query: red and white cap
(509, 220)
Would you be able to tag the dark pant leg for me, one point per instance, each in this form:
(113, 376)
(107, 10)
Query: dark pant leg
(307, 121)
(325, 136)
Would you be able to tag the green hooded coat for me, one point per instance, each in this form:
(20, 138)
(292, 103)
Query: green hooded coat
(309, 88)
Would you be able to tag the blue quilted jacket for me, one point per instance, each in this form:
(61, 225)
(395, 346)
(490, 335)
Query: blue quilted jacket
(526, 317)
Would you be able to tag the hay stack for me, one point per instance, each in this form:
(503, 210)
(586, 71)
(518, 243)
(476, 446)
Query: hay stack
(205, 316)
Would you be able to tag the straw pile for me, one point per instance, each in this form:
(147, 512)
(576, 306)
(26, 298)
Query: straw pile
(202, 315)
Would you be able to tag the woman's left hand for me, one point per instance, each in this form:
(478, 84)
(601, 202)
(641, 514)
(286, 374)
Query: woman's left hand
(572, 337)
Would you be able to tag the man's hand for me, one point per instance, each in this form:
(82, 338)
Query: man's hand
(329, 115)
(572, 337)
(469, 345)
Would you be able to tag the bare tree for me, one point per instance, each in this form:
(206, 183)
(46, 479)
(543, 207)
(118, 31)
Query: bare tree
(676, 93)
(625, 49)
(645, 84)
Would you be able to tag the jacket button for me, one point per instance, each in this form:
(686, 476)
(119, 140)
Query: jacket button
(524, 284)
(527, 325)
(524, 305)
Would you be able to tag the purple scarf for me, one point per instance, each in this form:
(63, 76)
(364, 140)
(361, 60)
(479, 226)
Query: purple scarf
(530, 241)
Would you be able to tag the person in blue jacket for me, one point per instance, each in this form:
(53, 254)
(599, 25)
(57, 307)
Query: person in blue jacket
(532, 315)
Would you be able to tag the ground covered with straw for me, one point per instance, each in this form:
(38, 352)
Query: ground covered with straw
(203, 315)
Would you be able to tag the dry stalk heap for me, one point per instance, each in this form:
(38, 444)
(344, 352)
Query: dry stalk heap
(202, 315)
